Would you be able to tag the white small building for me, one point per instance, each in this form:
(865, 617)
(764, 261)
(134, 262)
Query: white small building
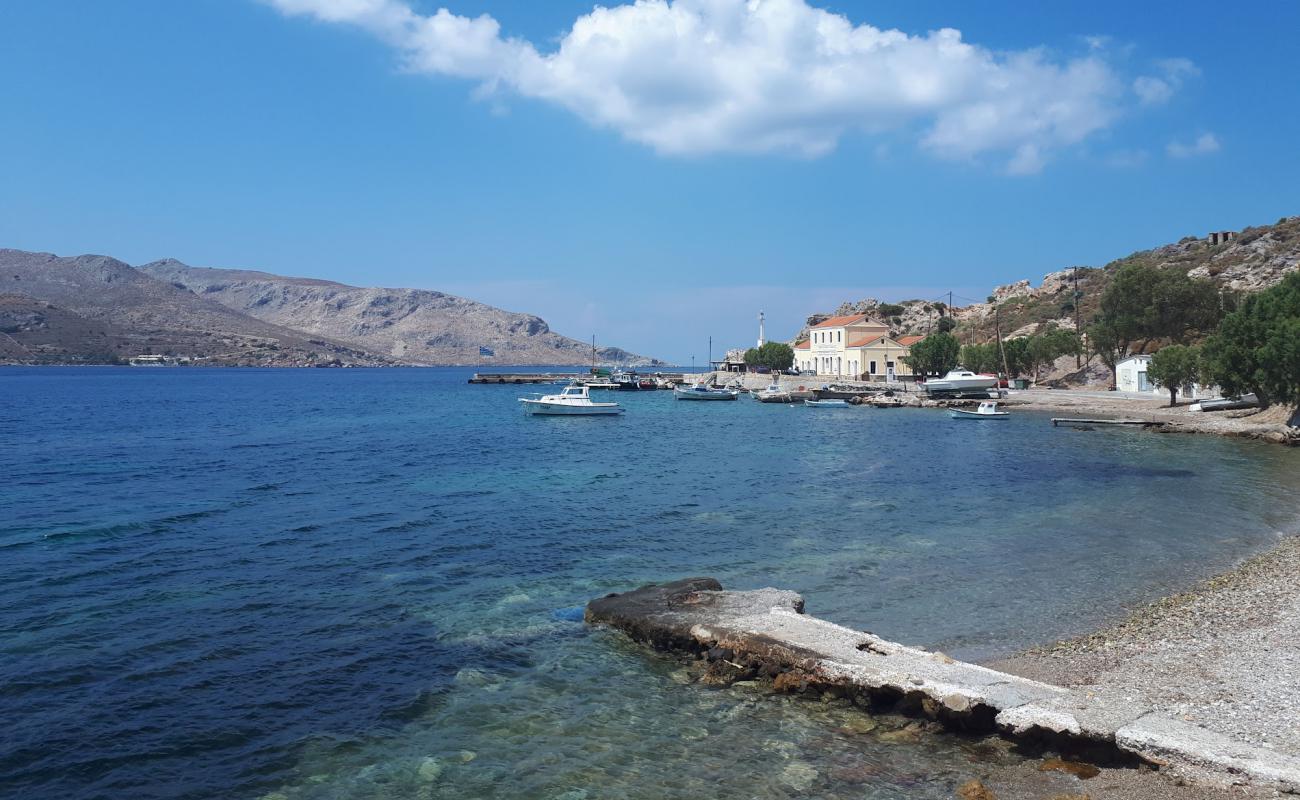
(1131, 376)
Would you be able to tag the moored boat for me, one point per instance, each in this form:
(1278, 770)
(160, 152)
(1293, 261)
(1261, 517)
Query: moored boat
(986, 410)
(826, 403)
(572, 401)
(701, 392)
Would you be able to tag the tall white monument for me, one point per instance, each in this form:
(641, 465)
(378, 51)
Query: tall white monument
(761, 339)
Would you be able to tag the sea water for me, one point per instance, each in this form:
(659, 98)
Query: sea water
(292, 584)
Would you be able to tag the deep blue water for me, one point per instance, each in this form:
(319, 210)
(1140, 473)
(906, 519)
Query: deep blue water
(366, 583)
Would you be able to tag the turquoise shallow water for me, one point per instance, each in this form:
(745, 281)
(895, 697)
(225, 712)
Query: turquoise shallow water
(365, 583)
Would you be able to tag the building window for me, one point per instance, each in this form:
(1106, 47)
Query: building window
(841, 335)
(873, 368)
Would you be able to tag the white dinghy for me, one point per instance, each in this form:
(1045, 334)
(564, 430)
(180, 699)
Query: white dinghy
(986, 410)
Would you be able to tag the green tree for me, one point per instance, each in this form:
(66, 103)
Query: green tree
(1144, 303)
(945, 324)
(981, 357)
(1017, 354)
(1174, 366)
(936, 354)
(1257, 347)
(1046, 347)
(774, 355)
(889, 310)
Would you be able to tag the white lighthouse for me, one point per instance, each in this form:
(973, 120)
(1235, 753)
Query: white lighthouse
(761, 339)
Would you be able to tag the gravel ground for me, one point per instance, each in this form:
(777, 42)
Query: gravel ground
(1269, 425)
(1224, 655)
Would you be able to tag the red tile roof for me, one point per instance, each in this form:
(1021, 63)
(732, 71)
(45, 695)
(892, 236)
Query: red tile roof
(804, 345)
(836, 322)
(909, 339)
(866, 340)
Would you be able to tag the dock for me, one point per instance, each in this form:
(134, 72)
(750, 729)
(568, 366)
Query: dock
(1146, 423)
(524, 377)
(554, 377)
(764, 638)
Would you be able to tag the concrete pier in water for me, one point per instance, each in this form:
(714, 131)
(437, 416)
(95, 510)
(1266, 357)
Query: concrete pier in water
(764, 634)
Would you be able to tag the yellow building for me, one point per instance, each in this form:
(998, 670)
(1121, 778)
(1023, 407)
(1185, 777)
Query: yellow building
(854, 347)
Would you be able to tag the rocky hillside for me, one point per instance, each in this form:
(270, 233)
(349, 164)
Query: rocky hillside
(1259, 257)
(412, 326)
(95, 309)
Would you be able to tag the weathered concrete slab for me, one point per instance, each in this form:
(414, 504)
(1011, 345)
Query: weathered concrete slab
(765, 634)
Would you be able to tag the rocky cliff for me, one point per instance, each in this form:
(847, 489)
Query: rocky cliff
(412, 326)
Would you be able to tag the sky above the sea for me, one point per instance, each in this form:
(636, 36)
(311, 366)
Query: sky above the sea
(653, 174)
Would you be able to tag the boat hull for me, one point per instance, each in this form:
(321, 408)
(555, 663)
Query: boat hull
(957, 413)
(540, 408)
(687, 394)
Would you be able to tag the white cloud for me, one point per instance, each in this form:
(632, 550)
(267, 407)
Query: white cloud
(1158, 89)
(1204, 144)
(733, 76)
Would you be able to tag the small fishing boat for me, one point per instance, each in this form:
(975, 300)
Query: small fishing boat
(772, 393)
(626, 381)
(702, 392)
(826, 403)
(572, 401)
(986, 410)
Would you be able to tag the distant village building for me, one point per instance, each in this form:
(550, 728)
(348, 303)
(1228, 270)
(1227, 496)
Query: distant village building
(855, 347)
(734, 361)
(1222, 237)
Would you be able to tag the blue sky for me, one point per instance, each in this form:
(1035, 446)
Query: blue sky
(657, 190)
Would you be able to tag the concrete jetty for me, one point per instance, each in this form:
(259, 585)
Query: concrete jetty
(763, 634)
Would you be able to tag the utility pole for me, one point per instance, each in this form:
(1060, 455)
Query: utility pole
(1078, 325)
(997, 327)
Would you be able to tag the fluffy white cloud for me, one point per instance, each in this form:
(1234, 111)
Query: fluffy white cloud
(1204, 144)
(1154, 90)
(754, 76)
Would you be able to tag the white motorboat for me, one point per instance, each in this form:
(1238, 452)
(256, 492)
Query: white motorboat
(986, 410)
(961, 380)
(702, 392)
(572, 401)
(826, 403)
(1225, 403)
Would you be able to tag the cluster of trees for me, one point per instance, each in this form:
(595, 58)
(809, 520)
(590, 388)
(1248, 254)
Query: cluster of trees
(1145, 304)
(933, 355)
(1024, 355)
(774, 355)
(1255, 349)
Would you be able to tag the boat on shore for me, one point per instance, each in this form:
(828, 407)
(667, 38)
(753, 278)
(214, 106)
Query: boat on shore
(961, 380)
(986, 410)
(571, 401)
(1226, 403)
(702, 392)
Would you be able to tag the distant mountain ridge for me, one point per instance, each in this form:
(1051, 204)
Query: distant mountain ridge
(408, 325)
(92, 309)
(97, 309)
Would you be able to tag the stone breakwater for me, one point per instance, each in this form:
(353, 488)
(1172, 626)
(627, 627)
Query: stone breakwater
(763, 635)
